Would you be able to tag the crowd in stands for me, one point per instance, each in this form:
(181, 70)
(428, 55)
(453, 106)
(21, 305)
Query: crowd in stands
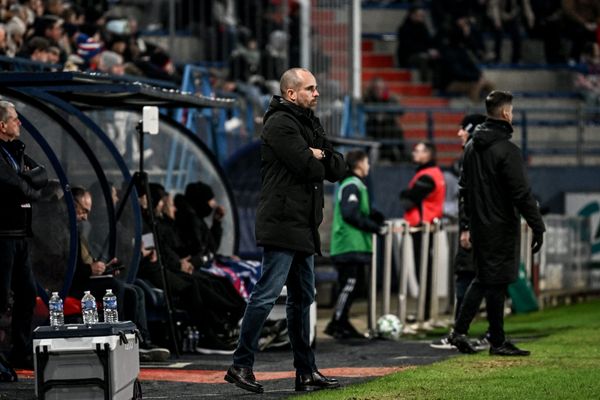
(68, 36)
(449, 51)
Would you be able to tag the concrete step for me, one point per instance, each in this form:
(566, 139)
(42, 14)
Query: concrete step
(530, 80)
(377, 61)
(387, 74)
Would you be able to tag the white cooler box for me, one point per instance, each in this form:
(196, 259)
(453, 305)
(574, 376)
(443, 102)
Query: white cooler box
(87, 362)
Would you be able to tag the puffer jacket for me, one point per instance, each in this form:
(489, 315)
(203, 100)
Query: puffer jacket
(291, 202)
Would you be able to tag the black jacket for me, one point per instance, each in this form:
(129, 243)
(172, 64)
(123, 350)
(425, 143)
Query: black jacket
(18, 188)
(496, 193)
(290, 209)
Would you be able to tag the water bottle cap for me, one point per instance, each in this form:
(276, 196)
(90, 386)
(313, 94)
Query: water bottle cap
(108, 291)
(54, 293)
(86, 292)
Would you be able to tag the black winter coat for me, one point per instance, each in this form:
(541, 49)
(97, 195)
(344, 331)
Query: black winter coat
(18, 189)
(496, 193)
(290, 209)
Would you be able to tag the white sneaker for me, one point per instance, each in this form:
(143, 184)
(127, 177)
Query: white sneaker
(442, 343)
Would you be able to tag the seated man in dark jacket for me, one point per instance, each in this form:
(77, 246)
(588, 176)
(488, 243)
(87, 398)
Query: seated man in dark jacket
(93, 275)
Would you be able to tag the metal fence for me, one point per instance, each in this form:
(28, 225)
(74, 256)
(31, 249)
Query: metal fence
(562, 269)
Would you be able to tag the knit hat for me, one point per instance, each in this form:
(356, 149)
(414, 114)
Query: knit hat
(87, 47)
(198, 195)
(469, 122)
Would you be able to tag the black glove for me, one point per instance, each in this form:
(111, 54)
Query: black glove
(537, 241)
(377, 217)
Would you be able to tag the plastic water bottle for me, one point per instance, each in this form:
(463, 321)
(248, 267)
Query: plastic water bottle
(88, 308)
(55, 305)
(109, 303)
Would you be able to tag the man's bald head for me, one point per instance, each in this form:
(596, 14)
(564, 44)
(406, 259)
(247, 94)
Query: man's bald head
(299, 86)
(291, 79)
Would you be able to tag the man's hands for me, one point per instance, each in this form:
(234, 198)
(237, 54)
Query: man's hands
(186, 266)
(98, 268)
(319, 154)
(537, 241)
(465, 240)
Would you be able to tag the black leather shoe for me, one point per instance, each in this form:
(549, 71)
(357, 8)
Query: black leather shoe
(314, 381)
(243, 378)
(462, 343)
(508, 349)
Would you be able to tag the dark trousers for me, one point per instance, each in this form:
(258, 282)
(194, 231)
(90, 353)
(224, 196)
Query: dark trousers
(281, 267)
(16, 275)
(349, 275)
(494, 300)
(462, 280)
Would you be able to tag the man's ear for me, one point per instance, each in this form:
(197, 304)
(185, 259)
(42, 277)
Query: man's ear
(291, 94)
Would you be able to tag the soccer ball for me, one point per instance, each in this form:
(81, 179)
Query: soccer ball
(389, 327)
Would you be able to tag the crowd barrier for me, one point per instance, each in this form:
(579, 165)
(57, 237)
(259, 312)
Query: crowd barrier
(563, 268)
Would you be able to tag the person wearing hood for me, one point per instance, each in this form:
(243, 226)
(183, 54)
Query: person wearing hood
(354, 222)
(464, 269)
(295, 159)
(423, 201)
(200, 241)
(496, 193)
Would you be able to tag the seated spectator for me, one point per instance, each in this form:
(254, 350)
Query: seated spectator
(581, 23)
(15, 32)
(416, 48)
(587, 82)
(461, 73)
(92, 274)
(201, 241)
(36, 49)
(53, 55)
(506, 16)
(111, 63)
(89, 50)
(383, 124)
(211, 302)
(50, 27)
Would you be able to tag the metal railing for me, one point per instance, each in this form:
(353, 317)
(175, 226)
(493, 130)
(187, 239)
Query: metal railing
(563, 267)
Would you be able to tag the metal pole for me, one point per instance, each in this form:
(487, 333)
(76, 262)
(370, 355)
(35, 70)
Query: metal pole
(305, 37)
(434, 302)
(373, 288)
(356, 41)
(387, 268)
(423, 267)
(407, 252)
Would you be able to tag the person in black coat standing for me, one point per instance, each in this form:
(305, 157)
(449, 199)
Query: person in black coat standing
(496, 193)
(21, 181)
(295, 159)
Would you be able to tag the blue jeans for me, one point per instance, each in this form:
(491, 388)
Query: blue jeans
(280, 267)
